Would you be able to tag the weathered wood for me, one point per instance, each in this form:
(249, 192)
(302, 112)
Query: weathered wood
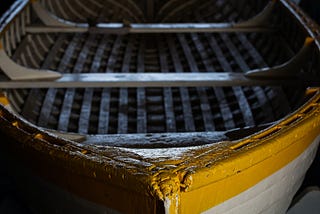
(163, 140)
(218, 91)
(64, 117)
(104, 113)
(84, 118)
(30, 102)
(289, 68)
(204, 103)
(48, 102)
(185, 99)
(238, 91)
(17, 72)
(133, 80)
(167, 92)
(141, 93)
(123, 94)
(259, 92)
(119, 28)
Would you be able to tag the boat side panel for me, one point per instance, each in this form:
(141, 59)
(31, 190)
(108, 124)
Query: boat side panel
(274, 193)
(278, 151)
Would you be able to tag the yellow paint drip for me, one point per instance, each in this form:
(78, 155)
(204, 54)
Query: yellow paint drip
(38, 136)
(15, 124)
(3, 99)
(309, 40)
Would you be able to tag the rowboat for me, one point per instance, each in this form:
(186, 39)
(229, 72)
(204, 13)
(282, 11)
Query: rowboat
(154, 106)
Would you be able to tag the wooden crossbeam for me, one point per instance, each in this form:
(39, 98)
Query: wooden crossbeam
(119, 28)
(97, 80)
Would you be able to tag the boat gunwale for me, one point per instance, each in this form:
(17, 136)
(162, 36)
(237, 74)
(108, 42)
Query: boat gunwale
(11, 14)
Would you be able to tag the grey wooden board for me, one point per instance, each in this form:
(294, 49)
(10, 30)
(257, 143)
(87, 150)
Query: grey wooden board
(86, 80)
(160, 140)
(118, 28)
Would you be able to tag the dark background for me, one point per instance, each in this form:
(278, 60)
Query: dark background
(9, 199)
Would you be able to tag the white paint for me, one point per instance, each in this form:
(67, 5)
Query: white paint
(273, 194)
(167, 205)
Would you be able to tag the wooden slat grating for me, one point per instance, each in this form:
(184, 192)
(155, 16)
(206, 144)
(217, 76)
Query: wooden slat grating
(123, 110)
(51, 93)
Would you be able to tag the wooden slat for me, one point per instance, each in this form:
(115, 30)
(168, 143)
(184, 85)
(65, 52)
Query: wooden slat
(8, 17)
(51, 93)
(119, 28)
(104, 114)
(204, 102)
(64, 117)
(167, 92)
(134, 80)
(223, 103)
(84, 120)
(242, 99)
(104, 111)
(123, 96)
(21, 48)
(30, 102)
(184, 94)
(158, 140)
(141, 93)
(259, 92)
(218, 91)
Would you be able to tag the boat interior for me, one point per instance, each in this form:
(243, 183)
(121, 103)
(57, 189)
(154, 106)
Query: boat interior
(167, 37)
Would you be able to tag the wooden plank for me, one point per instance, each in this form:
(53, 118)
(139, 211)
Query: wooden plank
(161, 140)
(167, 92)
(259, 92)
(225, 110)
(223, 103)
(84, 120)
(104, 113)
(64, 117)
(134, 80)
(119, 28)
(30, 102)
(184, 94)
(51, 93)
(204, 102)
(237, 90)
(141, 93)
(123, 96)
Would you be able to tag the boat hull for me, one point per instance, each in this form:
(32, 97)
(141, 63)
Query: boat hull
(174, 146)
(274, 193)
